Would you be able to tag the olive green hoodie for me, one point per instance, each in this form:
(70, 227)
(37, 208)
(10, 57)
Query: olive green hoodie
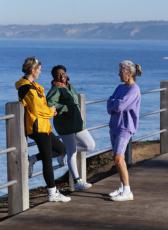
(65, 99)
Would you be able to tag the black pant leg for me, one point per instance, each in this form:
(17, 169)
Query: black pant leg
(57, 146)
(44, 143)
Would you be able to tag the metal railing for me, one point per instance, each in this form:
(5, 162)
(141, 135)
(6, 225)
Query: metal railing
(146, 135)
(17, 148)
(147, 114)
(8, 151)
(17, 164)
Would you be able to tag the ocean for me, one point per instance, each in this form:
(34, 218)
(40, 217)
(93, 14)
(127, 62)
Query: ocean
(92, 67)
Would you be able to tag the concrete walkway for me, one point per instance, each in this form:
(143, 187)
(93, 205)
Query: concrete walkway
(93, 210)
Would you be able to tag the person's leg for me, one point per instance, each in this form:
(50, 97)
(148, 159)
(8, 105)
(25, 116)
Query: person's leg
(69, 141)
(122, 169)
(71, 148)
(113, 140)
(44, 143)
(126, 194)
(85, 141)
(57, 146)
(120, 145)
(33, 158)
(58, 149)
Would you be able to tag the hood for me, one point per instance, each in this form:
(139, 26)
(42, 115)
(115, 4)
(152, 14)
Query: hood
(22, 82)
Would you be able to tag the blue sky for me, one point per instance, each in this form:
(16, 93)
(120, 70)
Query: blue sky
(79, 11)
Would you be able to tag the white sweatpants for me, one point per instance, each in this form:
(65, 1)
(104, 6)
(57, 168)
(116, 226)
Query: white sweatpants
(77, 142)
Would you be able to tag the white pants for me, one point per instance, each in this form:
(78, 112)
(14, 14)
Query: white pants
(77, 142)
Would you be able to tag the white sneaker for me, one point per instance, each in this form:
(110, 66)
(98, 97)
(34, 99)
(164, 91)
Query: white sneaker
(123, 197)
(32, 160)
(116, 192)
(81, 185)
(58, 197)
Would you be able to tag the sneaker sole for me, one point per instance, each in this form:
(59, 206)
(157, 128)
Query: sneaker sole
(113, 195)
(81, 189)
(112, 198)
(63, 201)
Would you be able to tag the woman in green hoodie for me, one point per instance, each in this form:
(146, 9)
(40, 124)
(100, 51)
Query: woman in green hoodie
(68, 122)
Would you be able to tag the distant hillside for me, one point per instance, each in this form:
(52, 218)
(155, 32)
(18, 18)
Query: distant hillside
(157, 30)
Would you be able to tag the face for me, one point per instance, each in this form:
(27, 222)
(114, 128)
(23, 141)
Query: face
(36, 72)
(62, 76)
(124, 74)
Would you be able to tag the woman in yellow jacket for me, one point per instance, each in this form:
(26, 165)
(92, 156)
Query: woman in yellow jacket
(37, 123)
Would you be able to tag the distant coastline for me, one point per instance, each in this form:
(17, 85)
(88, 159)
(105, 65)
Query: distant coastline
(140, 30)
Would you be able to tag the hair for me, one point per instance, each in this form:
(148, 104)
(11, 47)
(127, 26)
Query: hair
(29, 64)
(134, 69)
(138, 70)
(54, 71)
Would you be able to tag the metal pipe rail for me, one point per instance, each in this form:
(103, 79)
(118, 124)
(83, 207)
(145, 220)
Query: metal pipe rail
(154, 91)
(99, 152)
(98, 127)
(150, 134)
(134, 140)
(152, 113)
(8, 184)
(143, 115)
(8, 150)
(104, 100)
(95, 101)
(106, 124)
(143, 93)
(6, 117)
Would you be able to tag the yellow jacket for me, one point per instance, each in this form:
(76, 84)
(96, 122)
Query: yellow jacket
(37, 113)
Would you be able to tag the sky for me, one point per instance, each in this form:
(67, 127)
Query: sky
(80, 11)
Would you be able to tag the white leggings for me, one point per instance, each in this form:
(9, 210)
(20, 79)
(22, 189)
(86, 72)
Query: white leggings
(81, 141)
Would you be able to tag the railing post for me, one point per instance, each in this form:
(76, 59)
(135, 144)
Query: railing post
(128, 154)
(17, 163)
(164, 117)
(81, 156)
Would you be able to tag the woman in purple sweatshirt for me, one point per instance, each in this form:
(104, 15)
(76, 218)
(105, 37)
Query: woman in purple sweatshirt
(124, 106)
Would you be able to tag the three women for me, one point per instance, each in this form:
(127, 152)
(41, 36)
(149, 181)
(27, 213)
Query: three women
(123, 106)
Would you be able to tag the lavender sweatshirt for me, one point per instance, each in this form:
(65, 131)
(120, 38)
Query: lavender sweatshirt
(124, 106)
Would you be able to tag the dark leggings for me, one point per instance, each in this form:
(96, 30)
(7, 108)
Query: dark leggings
(49, 146)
